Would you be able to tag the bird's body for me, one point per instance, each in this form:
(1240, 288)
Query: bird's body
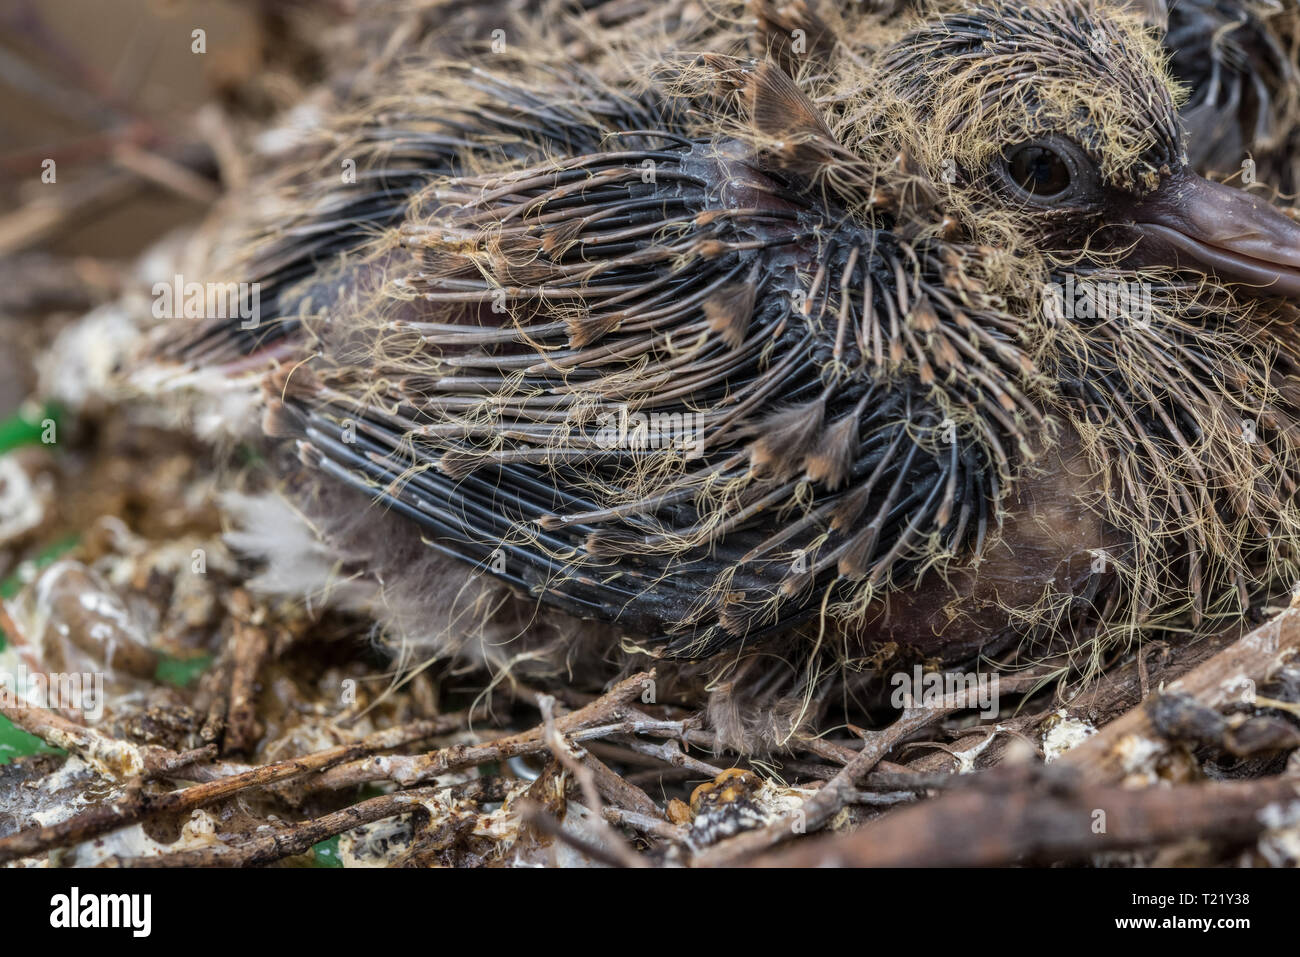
(706, 354)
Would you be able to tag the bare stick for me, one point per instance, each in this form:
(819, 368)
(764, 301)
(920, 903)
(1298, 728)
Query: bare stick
(137, 804)
(601, 717)
(167, 173)
(115, 758)
(544, 823)
(1224, 678)
(649, 824)
(250, 646)
(1026, 824)
(617, 790)
(827, 802)
(582, 772)
(299, 838)
(670, 753)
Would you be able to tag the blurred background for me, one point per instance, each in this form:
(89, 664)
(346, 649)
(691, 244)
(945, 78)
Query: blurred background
(112, 102)
(121, 129)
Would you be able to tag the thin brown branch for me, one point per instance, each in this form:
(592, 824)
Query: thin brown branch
(600, 718)
(1019, 823)
(536, 817)
(137, 805)
(582, 772)
(829, 799)
(1226, 677)
(649, 824)
(120, 760)
(250, 646)
(299, 838)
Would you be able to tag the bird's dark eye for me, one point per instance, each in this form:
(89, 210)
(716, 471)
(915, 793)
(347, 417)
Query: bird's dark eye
(1050, 172)
(1039, 170)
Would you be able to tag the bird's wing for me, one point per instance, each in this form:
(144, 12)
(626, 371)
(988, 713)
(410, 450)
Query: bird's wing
(342, 201)
(364, 185)
(656, 379)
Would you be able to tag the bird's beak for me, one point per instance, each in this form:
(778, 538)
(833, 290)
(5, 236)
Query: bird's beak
(1192, 223)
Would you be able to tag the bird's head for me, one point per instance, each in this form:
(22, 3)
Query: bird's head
(1055, 125)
